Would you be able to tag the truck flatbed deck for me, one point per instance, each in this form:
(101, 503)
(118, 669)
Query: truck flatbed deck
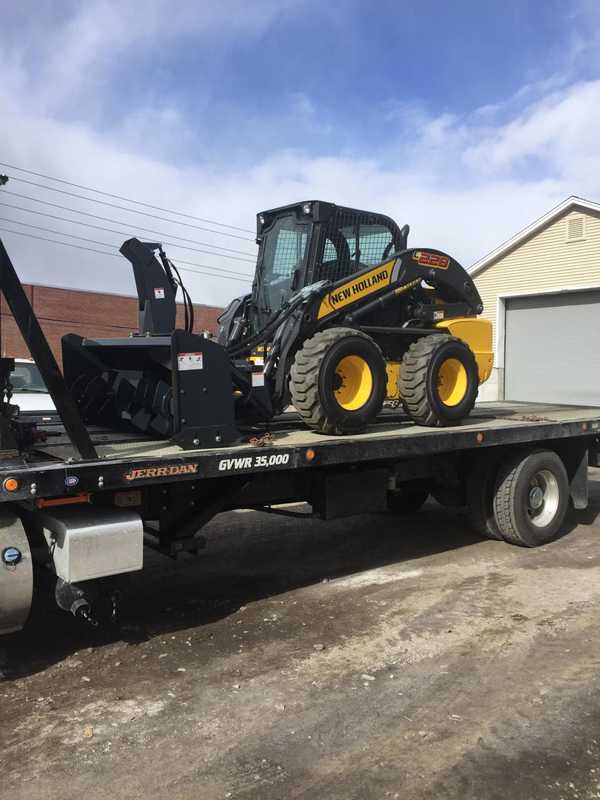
(54, 464)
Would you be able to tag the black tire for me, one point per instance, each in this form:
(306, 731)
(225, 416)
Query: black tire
(480, 486)
(531, 498)
(407, 500)
(316, 381)
(420, 380)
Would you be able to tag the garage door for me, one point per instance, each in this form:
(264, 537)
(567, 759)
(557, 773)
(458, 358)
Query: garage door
(552, 348)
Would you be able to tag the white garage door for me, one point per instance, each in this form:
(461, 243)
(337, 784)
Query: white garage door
(552, 348)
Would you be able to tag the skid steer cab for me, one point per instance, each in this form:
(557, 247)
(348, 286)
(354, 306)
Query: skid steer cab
(344, 316)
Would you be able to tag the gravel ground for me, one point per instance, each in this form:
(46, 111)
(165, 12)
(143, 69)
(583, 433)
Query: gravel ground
(374, 657)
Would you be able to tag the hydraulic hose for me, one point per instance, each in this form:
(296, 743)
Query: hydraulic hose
(262, 336)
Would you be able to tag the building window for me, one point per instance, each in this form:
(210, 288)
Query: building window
(575, 229)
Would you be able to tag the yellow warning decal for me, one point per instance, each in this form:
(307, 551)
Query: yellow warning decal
(358, 287)
(434, 260)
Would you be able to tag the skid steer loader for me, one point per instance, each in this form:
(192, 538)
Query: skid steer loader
(342, 316)
(348, 316)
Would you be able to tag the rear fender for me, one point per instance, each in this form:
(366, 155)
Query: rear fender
(477, 333)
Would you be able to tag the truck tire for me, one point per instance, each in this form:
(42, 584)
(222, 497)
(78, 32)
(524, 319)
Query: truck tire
(480, 484)
(439, 380)
(407, 500)
(531, 498)
(338, 381)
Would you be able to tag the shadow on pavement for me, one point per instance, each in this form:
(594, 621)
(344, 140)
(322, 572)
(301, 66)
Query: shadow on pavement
(249, 556)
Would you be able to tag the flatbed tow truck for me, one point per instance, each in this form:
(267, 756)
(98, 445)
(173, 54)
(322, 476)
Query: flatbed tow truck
(84, 507)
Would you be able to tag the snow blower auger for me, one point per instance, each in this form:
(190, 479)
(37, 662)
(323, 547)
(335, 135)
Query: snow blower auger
(344, 317)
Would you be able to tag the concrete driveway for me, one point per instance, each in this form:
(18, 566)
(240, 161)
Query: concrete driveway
(375, 657)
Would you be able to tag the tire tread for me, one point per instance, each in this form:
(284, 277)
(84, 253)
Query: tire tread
(413, 379)
(504, 496)
(304, 380)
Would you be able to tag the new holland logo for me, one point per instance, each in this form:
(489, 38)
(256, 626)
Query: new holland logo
(161, 472)
(356, 289)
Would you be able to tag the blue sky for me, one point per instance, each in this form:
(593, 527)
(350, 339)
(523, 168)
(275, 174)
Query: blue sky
(466, 119)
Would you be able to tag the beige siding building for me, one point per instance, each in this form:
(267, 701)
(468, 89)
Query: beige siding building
(541, 291)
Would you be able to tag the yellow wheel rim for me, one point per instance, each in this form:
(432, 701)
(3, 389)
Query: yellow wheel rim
(354, 383)
(453, 382)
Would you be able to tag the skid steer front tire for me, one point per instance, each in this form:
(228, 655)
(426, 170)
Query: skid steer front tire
(439, 380)
(338, 381)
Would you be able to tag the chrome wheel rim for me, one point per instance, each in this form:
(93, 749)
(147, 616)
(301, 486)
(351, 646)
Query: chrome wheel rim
(543, 498)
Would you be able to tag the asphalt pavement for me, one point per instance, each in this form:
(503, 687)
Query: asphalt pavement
(372, 657)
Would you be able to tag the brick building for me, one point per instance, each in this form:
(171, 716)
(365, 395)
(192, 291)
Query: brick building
(94, 314)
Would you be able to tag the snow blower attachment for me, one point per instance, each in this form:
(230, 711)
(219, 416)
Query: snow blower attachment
(160, 381)
(342, 317)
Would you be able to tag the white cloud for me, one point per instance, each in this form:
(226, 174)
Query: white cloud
(60, 60)
(560, 132)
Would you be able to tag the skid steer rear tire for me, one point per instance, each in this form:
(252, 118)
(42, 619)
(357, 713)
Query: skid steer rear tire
(439, 380)
(338, 381)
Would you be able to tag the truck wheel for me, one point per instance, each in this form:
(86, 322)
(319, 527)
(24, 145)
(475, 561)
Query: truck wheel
(531, 498)
(406, 500)
(480, 485)
(439, 380)
(338, 381)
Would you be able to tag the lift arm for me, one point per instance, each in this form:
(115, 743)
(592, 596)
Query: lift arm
(362, 293)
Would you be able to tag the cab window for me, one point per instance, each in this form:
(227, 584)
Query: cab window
(375, 244)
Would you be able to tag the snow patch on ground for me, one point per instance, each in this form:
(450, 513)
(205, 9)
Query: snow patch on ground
(378, 576)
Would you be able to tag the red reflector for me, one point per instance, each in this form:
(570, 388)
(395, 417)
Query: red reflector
(84, 497)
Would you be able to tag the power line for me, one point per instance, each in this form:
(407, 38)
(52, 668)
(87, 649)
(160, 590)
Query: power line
(109, 219)
(178, 261)
(129, 210)
(120, 197)
(108, 244)
(105, 244)
(124, 224)
(116, 255)
(55, 241)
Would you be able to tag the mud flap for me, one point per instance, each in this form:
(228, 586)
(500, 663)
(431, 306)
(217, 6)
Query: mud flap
(579, 482)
